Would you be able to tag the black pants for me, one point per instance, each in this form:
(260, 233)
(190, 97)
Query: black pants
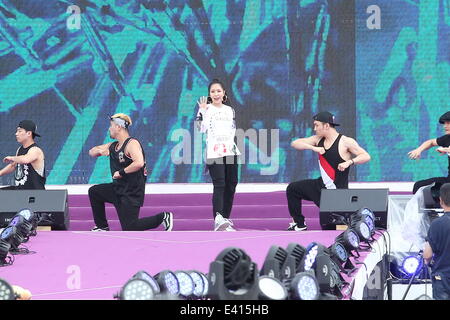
(427, 182)
(128, 214)
(224, 175)
(303, 190)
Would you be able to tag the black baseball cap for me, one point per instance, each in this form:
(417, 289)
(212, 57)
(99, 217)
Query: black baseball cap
(445, 117)
(29, 125)
(325, 117)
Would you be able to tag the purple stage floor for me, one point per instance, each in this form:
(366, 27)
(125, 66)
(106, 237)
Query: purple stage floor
(79, 265)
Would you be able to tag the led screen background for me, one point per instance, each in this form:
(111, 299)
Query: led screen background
(281, 62)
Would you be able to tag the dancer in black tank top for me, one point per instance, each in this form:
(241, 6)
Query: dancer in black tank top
(29, 162)
(336, 154)
(443, 143)
(127, 191)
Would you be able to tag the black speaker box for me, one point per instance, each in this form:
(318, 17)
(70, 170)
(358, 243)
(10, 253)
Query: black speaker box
(50, 204)
(335, 203)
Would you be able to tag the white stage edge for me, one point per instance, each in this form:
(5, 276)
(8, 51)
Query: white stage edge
(176, 188)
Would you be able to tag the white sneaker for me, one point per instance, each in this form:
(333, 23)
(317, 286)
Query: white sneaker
(220, 223)
(97, 229)
(168, 221)
(296, 227)
(230, 228)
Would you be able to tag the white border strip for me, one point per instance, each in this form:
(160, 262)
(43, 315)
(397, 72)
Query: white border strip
(172, 188)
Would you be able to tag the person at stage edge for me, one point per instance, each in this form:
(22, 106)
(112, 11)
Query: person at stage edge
(436, 252)
(335, 153)
(217, 120)
(443, 143)
(129, 174)
(29, 162)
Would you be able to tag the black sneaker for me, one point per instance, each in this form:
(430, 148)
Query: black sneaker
(168, 221)
(297, 227)
(97, 229)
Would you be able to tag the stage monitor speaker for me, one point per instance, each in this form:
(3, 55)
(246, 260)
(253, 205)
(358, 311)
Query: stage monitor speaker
(50, 204)
(335, 203)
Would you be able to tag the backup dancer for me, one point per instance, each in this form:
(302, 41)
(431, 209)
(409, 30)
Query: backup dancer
(336, 154)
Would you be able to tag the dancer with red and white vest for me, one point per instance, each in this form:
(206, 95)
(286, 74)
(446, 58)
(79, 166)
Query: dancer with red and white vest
(336, 154)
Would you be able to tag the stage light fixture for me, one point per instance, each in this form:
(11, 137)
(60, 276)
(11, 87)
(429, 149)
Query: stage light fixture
(31, 217)
(136, 289)
(233, 276)
(278, 264)
(338, 253)
(273, 261)
(369, 218)
(349, 239)
(358, 224)
(366, 212)
(206, 282)
(337, 282)
(5, 260)
(408, 266)
(13, 237)
(271, 288)
(200, 282)
(297, 252)
(6, 291)
(313, 261)
(412, 264)
(340, 256)
(168, 282)
(327, 272)
(23, 227)
(187, 285)
(304, 286)
(143, 275)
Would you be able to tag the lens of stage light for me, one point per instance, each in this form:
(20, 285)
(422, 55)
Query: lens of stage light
(137, 289)
(370, 223)
(304, 286)
(367, 212)
(339, 251)
(15, 220)
(206, 284)
(23, 226)
(6, 233)
(26, 213)
(352, 238)
(186, 283)
(364, 231)
(172, 283)
(411, 265)
(146, 277)
(199, 283)
(271, 289)
(168, 281)
(6, 291)
(12, 236)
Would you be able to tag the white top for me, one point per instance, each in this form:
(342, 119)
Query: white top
(219, 125)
